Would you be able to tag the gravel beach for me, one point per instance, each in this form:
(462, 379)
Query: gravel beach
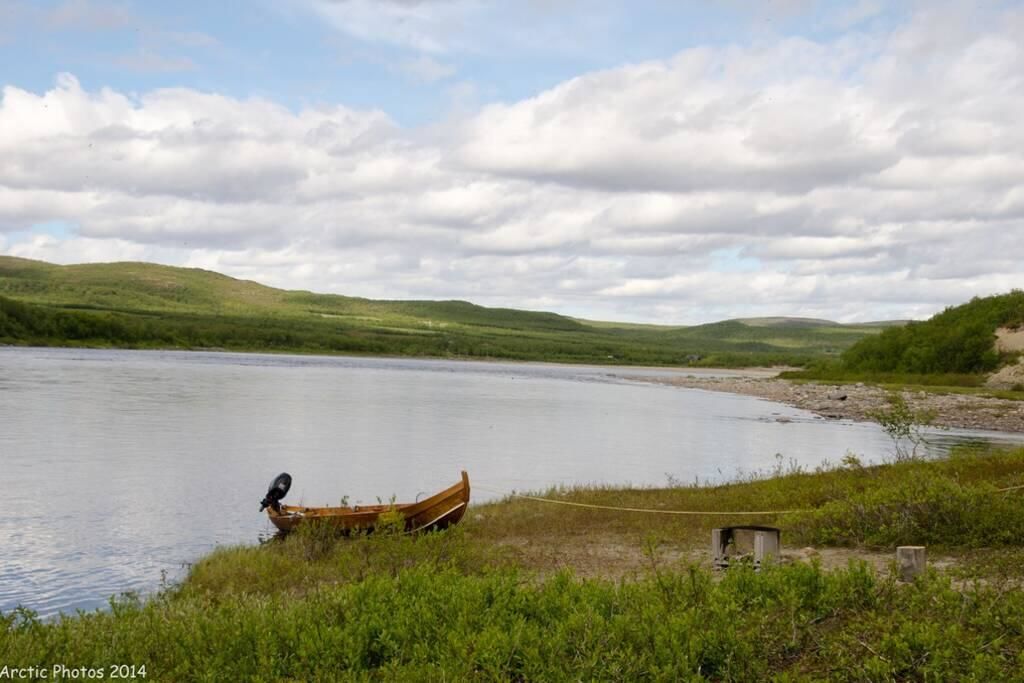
(856, 401)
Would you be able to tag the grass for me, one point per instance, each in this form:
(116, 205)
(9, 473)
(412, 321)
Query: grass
(493, 598)
(425, 624)
(141, 305)
(944, 503)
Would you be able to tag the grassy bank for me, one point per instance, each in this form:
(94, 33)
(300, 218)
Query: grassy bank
(792, 623)
(509, 594)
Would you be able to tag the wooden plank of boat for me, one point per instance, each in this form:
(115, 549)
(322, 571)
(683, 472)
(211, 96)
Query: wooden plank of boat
(440, 510)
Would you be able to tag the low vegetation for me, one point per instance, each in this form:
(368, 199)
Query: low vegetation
(140, 305)
(913, 501)
(424, 624)
(954, 348)
(497, 599)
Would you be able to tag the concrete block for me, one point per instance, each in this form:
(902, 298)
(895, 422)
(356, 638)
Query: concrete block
(755, 544)
(766, 547)
(912, 561)
(719, 537)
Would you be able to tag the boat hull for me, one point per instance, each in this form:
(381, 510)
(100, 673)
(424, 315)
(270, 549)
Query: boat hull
(440, 510)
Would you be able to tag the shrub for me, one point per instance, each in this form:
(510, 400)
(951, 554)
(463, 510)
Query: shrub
(924, 508)
(961, 339)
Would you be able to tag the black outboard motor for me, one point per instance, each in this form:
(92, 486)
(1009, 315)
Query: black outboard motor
(277, 491)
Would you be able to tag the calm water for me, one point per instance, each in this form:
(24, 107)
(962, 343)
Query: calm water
(119, 467)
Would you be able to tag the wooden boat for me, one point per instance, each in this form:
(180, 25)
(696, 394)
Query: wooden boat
(436, 512)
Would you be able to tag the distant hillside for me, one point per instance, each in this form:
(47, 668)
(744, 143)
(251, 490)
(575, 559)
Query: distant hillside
(149, 305)
(828, 338)
(149, 287)
(786, 322)
(885, 323)
(961, 339)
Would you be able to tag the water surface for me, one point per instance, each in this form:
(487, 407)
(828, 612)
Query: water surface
(119, 467)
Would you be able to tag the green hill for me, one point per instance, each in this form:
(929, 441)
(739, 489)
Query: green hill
(150, 305)
(786, 322)
(956, 347)
(961, 339)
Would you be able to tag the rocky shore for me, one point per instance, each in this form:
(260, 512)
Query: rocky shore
(857, 401)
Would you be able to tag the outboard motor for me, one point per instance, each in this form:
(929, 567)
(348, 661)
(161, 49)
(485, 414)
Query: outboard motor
(277, 491)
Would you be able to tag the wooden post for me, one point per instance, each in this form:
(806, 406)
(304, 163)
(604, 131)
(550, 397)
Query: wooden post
(912, 561)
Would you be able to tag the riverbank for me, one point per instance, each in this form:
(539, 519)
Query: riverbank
(856, 401)
(505, 595)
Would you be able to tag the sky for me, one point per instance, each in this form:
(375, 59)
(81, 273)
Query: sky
(647, 161)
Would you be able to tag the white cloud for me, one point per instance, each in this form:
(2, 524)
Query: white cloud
(875, 176)
(431, 26)
(448, 28)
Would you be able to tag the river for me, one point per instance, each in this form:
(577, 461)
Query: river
(120, 467)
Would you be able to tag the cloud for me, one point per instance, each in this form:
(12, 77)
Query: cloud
(475, 27)
(680, 126)
(871, 176)
(431, 26)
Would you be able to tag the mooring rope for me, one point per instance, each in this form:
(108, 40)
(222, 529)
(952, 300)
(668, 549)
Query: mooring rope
(627, 509)
(616, 508)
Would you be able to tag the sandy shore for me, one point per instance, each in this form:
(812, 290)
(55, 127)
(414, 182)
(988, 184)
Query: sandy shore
(856, 401)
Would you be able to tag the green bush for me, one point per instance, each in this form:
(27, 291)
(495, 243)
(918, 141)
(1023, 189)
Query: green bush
(788, 623)
(958, 340)
(923, 508)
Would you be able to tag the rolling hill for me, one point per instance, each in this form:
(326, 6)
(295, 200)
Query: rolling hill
(961, 347)
(150, 305)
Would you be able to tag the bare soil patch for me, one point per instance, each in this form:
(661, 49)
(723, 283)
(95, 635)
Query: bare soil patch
(1008, 340)
(620, 556)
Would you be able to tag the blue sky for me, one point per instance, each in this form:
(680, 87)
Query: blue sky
(659, 161)
(293, 52)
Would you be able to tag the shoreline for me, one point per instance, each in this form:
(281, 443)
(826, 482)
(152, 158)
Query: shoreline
(856, 401)
(753, 371)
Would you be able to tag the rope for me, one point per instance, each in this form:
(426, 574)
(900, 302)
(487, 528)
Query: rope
(625, 509)
(594, 506)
